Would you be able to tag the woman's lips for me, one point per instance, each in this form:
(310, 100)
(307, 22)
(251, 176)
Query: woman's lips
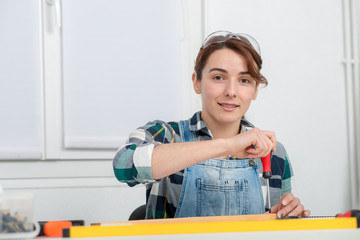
(228, 106)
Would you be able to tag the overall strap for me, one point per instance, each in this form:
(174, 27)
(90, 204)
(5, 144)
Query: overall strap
(185, 133)
(186, 136)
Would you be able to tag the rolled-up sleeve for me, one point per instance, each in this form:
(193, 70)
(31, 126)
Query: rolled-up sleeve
(288, 183)
(132, 163)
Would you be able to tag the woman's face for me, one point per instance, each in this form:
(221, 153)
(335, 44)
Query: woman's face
(226, 88)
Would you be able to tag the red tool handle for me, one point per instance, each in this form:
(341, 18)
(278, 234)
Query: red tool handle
(352, 213)
(266, 162)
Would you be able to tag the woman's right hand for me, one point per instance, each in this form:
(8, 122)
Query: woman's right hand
(254, 143)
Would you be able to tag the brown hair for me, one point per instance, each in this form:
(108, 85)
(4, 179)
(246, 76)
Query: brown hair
(253, 59)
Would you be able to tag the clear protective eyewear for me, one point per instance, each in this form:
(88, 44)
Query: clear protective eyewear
(223, 36)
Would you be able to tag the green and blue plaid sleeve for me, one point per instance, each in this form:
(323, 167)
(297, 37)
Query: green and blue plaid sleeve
(132, 163)
(288, 185)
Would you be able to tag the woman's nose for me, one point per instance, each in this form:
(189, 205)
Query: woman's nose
(230, 90)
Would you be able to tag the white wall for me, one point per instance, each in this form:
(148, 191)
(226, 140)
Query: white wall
(304, 104)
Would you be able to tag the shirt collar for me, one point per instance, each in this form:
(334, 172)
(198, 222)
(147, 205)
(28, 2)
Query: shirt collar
(197, 124)
(246, 125)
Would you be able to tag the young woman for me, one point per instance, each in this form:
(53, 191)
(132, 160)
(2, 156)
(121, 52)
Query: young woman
(210, 164)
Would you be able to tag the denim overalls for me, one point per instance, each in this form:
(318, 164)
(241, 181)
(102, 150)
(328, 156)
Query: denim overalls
(218, 187)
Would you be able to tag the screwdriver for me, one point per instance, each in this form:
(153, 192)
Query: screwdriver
(266, 162)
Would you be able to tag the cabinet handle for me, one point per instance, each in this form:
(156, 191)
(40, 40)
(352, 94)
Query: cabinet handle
(57, 5)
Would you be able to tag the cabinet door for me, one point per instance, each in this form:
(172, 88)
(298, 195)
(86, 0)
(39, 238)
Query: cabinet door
(21, 124)
(121, 69)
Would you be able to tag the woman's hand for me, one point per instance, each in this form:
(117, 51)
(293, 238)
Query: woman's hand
(254, 143)
(289, 205)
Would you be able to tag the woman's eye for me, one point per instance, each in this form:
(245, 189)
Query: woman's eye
(244, 80)
(218, 77)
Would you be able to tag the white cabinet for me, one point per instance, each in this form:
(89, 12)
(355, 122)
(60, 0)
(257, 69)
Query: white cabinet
(110, 67)
(78, 76)
(121, 68)
(21, 117)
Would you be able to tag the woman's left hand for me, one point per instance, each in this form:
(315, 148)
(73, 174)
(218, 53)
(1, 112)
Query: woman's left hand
(289, 205)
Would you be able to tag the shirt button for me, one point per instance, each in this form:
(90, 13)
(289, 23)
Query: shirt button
(251, 163)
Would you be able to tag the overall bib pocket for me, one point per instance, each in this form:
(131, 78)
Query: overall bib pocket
(222, 197)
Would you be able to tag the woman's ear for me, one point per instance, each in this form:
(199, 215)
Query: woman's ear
(196, 83)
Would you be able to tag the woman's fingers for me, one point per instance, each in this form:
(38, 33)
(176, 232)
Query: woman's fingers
(295, 208)
(289, 205)
(272, 137)
(253, 143)
(261, 144)
(286, 204)
(275, 208)
(306, 213)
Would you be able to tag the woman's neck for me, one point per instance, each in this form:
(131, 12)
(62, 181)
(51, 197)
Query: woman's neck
(223, 130)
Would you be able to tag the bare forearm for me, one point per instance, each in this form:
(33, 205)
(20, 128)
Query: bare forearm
(170, 158)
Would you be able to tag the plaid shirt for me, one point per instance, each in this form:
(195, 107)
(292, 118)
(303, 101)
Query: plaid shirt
(132, 164)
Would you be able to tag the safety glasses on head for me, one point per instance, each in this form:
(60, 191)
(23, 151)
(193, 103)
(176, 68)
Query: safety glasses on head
(223, 36)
